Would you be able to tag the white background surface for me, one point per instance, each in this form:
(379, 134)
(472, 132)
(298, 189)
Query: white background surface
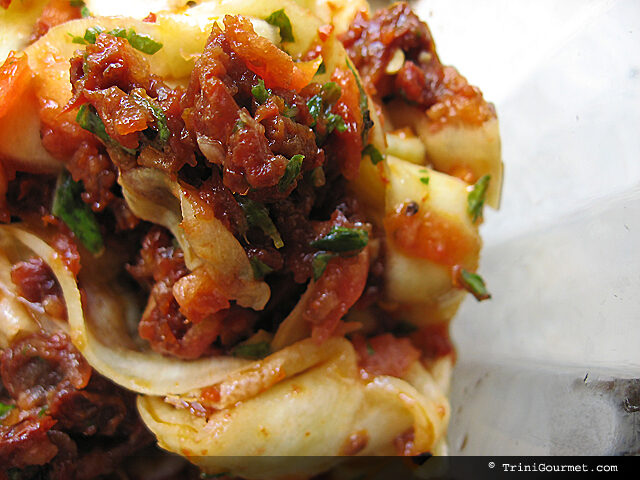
(562, 256)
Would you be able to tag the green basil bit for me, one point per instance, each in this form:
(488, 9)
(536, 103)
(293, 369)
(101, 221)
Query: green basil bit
(85, 13)
(335, 122)
(320, 105)
(424, 180)
(370, 349)
(42, 411)
(69, 207)
(252, 350)
(320, 262)
(5, 409)
(89, 119)
(475, 200)
(314, 104)
(331, 92)
(374, 154)
(258, 216)
(139, 41)
(280, 19)
(260, 92)
(239, 125)
(89, 36)
(76, 3)
(78, 40)
(92, 33)
(474, 284)
(260, 269)
(342, 239)
(294, 167)
(367, 123)
(142, 42)
(158, 115)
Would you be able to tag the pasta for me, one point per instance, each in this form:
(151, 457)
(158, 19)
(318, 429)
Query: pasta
(242, 226)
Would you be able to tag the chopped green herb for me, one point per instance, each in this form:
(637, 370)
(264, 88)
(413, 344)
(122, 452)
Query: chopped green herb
(139, 41)
(331, 92)
(335, 122)
(321, 104)
(321, 69)
(260, 269)
(424, 180)
(76, 3)
(373, 153)
(370, 349)
(320, 262)
(84, 12)
(280, 19)
(475, 200)
(342, 239)
(142, 42)
(367, 123)
(239, 125)
(5, 409)
(69, 207)
(89, 119)
(42, 411)
(258, 216)
(291, 173)
(314, 104)
(78, 40)
(260, 92)
(473, 283)
(252, 350)
(158, 115)
(89, 37)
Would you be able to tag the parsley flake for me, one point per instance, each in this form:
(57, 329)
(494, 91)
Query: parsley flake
(260, 269)
(475, 199)
(260, 92)
(258, 216)
(474, 284)
(374, 154)
(280, 19)
(320, 262)
(5, 409)
(69, 207)
(89, 119)
(294, 167)
(342, 239)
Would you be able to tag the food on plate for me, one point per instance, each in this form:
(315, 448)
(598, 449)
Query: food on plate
(234, 228)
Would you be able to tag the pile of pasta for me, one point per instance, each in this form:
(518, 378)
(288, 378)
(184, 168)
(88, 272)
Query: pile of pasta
(423, 177)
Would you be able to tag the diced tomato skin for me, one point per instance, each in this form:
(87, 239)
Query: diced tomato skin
(432, 237)
(15, 78)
